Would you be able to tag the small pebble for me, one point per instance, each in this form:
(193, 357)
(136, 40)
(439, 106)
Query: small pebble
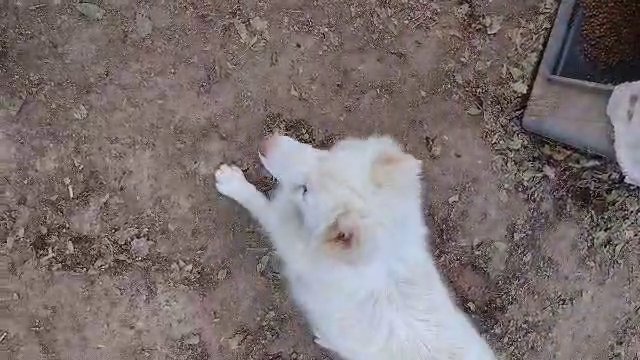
(140, 247)
(262, 263)
(192, 340)
(222, 274)
(91, 11)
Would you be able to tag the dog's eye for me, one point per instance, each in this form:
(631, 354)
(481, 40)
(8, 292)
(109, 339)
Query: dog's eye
(303, 189)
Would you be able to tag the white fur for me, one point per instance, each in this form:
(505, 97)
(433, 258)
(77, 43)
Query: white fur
(623, 110)
(348, 225)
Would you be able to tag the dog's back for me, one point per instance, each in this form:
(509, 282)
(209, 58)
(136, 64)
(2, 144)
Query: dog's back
(393, 307)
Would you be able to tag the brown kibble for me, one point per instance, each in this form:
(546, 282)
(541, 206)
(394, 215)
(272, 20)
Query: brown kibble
(611, 32)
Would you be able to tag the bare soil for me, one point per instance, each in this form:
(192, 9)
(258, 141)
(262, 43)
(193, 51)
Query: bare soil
(115, 244)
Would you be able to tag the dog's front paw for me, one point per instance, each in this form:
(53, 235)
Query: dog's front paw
(230, 181)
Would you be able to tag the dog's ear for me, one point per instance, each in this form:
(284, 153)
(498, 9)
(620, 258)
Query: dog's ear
(394, 167)
(344, 237)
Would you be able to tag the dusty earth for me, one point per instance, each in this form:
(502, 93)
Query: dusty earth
(115, 244)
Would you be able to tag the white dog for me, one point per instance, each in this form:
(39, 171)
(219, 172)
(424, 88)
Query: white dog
(348, 225)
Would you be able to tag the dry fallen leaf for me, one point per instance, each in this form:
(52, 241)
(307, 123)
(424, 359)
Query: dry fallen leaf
(259, 24)
(462, 10)
(242, 30)
(556, 152)
(236, 340)
(520, 87)
(70, 248)
(493, 23)
(81, 112)
(294, 91)
(455, 33)
(515, 72)
(10, 105)
(222, 274)
(516, 36)
(262, 263)
(549, 172)
(503, 197)
(474, 111)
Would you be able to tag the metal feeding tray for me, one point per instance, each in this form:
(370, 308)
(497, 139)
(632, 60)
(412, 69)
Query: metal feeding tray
(570, 94)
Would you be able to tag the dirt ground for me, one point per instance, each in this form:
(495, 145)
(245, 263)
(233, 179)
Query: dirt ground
(115, 244)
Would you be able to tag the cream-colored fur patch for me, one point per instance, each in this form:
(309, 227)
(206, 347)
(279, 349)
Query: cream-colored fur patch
(624, 112)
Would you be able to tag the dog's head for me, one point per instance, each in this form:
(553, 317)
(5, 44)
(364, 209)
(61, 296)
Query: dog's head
(346, 193)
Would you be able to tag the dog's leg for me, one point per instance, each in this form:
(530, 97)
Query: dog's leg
(230, 181)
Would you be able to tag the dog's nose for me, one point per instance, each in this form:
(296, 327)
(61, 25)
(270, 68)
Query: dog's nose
(267, 144)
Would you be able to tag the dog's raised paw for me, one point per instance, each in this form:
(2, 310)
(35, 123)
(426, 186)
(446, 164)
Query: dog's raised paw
(230, 181)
